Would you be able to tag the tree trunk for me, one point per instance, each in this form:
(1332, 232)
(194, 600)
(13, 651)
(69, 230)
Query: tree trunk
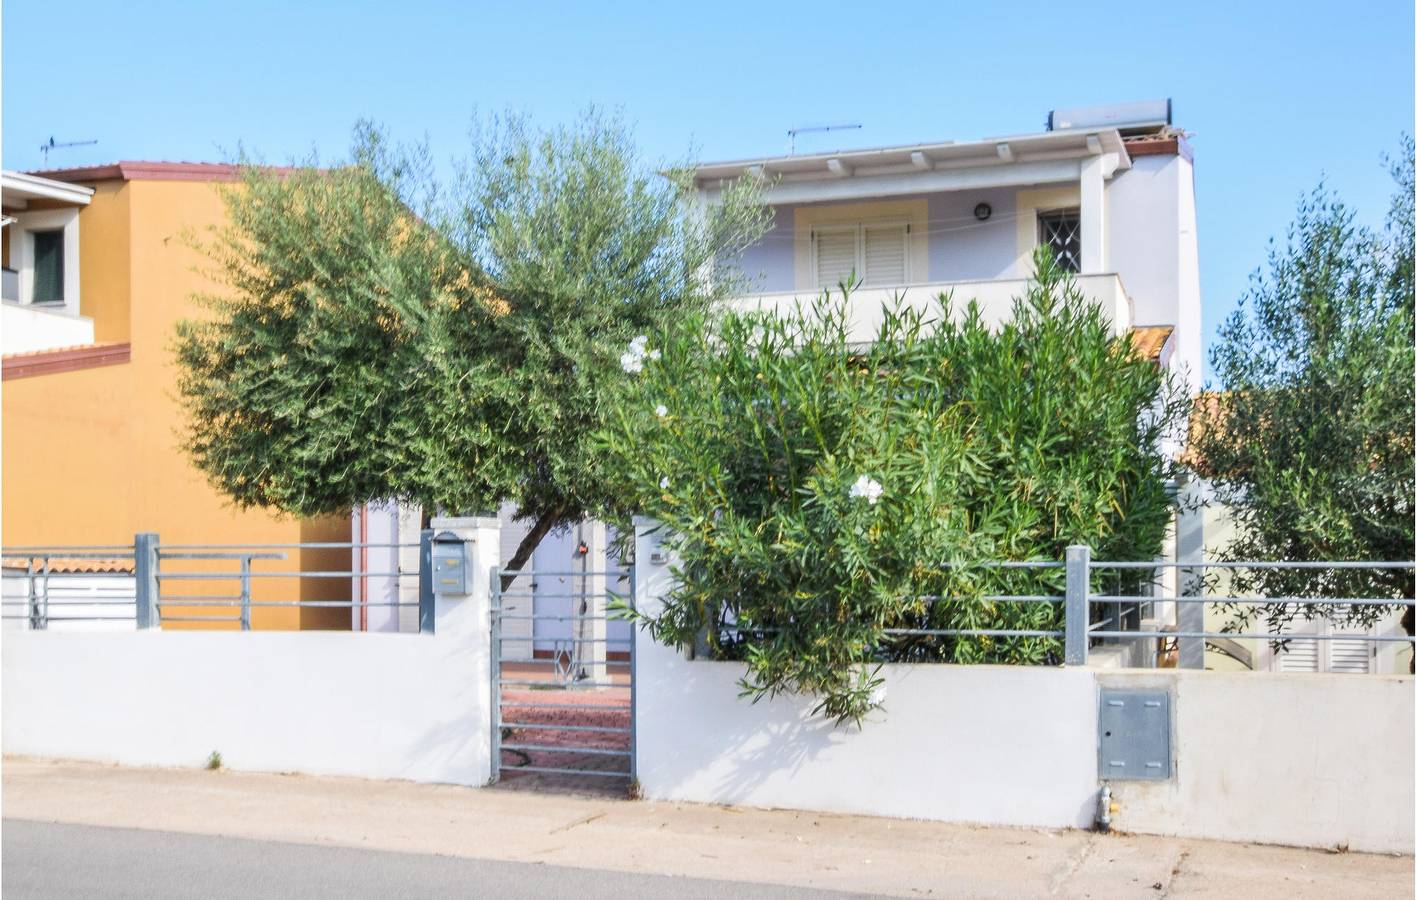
(528, 544)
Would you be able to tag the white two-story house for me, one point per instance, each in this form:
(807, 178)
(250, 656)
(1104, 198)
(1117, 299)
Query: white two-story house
(1111, 189)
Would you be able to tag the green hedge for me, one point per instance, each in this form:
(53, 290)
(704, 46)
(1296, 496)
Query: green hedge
(816, 489)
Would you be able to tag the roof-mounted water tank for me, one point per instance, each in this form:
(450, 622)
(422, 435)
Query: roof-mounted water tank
(1128, 118)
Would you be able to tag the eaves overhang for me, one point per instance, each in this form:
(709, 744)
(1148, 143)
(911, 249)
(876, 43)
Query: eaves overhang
(1000, 152)
(18, 189)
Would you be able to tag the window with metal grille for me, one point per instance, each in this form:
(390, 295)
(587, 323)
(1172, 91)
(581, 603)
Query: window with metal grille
(48, 267)
(1061, 230)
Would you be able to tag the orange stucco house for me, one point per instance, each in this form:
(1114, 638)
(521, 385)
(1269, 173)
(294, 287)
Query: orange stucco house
(98, 268)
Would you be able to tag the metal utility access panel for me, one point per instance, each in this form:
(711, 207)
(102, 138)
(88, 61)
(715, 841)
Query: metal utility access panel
(1134, 735)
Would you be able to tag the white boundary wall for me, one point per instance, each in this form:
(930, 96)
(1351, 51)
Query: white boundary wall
(1314, 760)
(406, 706)
(1307, 760)
(988, 744)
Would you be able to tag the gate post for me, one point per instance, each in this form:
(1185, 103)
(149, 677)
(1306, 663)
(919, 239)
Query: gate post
(652, 563)
(1077, 606)
(464, 633)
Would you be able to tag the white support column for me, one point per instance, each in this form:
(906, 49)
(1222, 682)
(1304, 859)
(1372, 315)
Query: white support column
(1093, 215)
(464, 634)
(592, 608)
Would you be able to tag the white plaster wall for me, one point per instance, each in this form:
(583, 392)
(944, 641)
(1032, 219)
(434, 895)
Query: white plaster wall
(25, 329)
(1309, 760)
(368, 705)
(993, 745)
(373, 705)
(1153, 246)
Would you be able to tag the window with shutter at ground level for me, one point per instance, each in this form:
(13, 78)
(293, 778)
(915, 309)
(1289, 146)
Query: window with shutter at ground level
(877, 253)
(1344, 647)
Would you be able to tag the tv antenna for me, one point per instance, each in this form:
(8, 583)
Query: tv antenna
(817, 129)
(52, 144)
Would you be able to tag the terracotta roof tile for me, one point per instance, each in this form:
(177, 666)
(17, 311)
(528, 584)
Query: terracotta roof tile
(1152, 341)
(60, 565)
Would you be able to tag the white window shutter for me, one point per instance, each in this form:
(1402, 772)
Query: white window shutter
(1350, 653)
(1353, 656)
(886, 255)
(835, 255)
(1299, 656)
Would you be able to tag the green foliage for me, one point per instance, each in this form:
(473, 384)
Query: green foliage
(760, 441)
(213, 761)
(1310, 443)
(379, 337)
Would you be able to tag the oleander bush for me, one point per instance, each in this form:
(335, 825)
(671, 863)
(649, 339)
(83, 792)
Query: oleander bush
(816, 490)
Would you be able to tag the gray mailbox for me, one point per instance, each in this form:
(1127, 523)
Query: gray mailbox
(449, 564)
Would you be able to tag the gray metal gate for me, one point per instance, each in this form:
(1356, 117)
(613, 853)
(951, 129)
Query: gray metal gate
(562, 686)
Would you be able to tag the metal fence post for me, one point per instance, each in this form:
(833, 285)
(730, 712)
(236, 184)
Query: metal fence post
(36, 621)
(145, 592)
(495, 611)
(246, 593)
(1078, 589)
(427, 608)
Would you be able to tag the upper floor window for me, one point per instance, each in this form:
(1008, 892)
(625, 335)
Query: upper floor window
(43, 259)
(1061, 230)
(48, 266)
(877, 252)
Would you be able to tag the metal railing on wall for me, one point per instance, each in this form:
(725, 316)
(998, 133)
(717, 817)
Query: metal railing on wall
(1282, 601)
(1088, 605)
(86, 586)
(149, 584)
(1137, 613)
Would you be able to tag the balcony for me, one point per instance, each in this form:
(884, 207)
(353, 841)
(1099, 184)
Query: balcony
(994, 298)
(29, 328)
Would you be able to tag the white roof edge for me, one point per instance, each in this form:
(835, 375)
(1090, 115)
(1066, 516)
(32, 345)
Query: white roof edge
(33, 186)
(1111, 138)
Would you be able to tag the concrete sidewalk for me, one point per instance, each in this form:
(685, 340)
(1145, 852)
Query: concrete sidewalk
(774, 847)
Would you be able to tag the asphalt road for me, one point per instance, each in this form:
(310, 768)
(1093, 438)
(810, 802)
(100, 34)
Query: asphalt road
(44, 860)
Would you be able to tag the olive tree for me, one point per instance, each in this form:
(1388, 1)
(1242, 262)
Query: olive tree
(1308, 441)
(375, 335)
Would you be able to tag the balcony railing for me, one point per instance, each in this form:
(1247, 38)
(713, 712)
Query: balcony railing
(994, 298)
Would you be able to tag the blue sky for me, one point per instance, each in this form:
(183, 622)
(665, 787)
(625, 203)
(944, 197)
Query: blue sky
(1276, 94)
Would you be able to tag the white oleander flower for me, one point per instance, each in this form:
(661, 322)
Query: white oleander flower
(661, 410)
(867, 488)
(877, 696)
(632, 363)
(653, 354)
(664, 483)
